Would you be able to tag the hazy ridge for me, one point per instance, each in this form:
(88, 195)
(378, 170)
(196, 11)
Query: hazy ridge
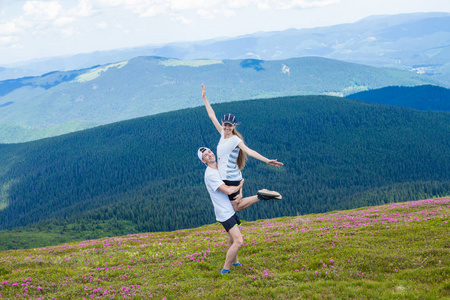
(61, 102)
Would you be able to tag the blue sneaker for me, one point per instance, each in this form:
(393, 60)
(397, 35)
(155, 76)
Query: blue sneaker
(224, 271)
(237, 265)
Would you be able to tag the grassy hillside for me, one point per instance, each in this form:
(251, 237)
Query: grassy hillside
(425, 97)
(394, 251)
(143, 174)
(151, 85)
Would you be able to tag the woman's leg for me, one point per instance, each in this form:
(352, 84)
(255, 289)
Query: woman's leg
(232, 183)
(245, 203)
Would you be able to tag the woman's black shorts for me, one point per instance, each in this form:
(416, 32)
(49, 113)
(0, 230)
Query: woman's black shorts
(232, 183)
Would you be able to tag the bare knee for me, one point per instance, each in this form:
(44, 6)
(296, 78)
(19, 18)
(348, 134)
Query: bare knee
(235, 205)
(238, 242)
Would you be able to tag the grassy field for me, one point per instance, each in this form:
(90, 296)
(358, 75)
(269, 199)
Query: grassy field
(395, 251)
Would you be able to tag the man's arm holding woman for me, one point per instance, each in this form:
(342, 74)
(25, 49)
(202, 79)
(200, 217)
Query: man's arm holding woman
(228, 189)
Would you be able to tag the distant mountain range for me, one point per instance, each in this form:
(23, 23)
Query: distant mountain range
(61, 102)
(419, 42)
(143, 174)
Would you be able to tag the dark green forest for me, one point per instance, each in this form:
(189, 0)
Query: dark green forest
(143, 174)
(423, 97)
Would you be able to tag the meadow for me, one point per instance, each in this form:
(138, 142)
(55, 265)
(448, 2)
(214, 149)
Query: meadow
(393, 251)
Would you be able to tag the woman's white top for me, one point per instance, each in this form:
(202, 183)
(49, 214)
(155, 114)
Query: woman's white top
(227, 154)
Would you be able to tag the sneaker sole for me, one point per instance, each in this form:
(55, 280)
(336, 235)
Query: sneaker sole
(268, 193)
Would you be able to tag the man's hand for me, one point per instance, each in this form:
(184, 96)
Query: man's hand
(241, 184)
(238, 197)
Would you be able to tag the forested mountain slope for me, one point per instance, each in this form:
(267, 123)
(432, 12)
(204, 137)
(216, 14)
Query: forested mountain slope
(144, 175)
(424, 97)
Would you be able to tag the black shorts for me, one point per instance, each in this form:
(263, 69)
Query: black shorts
(232, 183)
(231, 222)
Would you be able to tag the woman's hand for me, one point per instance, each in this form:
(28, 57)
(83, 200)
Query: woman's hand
(203, 91)
(274, 162)
(210, 111)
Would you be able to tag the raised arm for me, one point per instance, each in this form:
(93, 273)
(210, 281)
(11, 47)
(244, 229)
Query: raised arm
(211, 113)
(254, 154)
(228, 189)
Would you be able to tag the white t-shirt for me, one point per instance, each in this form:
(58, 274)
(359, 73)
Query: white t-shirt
(227, 154)
(222, 205)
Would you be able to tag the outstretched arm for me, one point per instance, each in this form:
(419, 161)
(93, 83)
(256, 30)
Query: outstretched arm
(254, 154)
(227, 189)
(211, 113)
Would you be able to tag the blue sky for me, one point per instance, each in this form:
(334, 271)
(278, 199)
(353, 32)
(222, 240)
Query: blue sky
(46, 28)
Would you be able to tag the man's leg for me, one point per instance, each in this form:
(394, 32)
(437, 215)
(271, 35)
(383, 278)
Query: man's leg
(230, 242)
(237, 242)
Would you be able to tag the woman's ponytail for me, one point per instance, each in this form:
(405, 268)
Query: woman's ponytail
(242, 157)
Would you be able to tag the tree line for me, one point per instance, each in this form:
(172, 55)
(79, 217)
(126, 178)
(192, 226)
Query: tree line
(143, 174)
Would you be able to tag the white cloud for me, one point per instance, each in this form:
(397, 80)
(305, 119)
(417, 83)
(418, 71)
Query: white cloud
(206, 14)
(9, 28)
(212, 13)
(63, 21)
(39, 25)
(67, 32)
(150, 11)
(304, 4)
(143, 8)
(42, 10)
(205, 8)
(39, 18)
(182, 19)
(236, 4)
(263, 6)
(181, 5)
(102, 25)
(228, 13)
(84, 9)
(115, 2)
(8, 41)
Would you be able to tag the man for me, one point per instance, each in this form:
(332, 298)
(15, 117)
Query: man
(223, 209)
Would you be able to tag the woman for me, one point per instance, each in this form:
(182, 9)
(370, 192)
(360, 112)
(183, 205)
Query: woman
(231, 150)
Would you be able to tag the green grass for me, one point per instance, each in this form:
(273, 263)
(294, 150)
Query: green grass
(95, 73)
(395, 251)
